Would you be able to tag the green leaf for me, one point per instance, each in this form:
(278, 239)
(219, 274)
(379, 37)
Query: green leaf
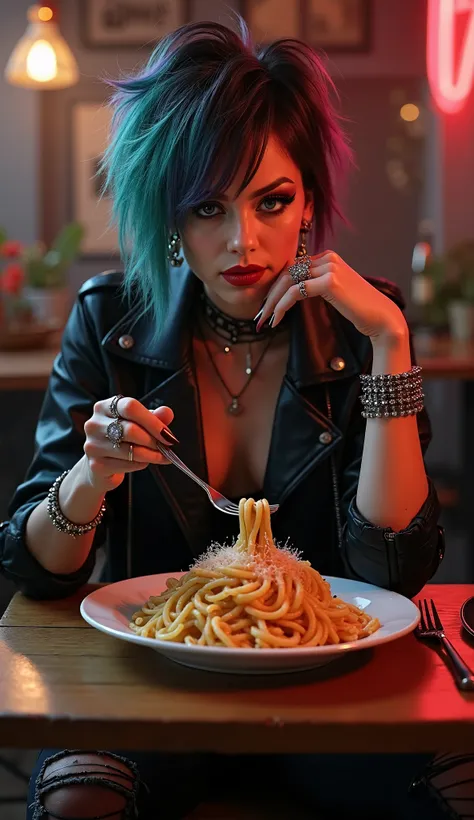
(68, 242)
(48, 269)
(35, 272)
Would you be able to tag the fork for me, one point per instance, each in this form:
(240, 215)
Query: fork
(220, 501)
(431, 628)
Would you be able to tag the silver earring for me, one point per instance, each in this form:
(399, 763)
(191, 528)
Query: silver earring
(305, 227)
(174, 250)
(301, 267)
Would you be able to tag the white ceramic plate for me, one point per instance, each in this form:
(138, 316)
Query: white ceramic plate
(111, 607)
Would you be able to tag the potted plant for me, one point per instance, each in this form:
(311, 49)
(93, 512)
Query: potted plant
(18, 328)
(459, 290)
(450, 282)
(15, 310)
(45, 272)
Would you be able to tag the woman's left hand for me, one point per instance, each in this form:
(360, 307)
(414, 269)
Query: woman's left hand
(370, 311)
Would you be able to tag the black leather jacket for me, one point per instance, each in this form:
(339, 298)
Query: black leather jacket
(158, 517)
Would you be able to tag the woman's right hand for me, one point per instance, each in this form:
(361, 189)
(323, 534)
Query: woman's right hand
(106, 465)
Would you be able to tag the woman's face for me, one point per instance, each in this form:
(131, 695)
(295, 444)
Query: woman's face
(260, 228)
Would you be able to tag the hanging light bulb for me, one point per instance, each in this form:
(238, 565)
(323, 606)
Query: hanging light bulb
(42, 58)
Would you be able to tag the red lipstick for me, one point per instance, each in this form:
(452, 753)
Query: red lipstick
(243, 276)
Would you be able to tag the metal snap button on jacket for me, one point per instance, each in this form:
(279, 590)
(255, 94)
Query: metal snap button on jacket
(325, 438)
(126, 342)
(337, 363)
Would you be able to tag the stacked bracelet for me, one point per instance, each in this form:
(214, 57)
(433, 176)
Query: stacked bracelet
(60, 521)
(384, 396)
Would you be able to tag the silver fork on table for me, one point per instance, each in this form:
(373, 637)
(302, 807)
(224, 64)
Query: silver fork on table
(220, 501)
(431, 628)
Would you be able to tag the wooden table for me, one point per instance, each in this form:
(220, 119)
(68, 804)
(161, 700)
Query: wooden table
(65, 684)
(27, 369)
(445, 358)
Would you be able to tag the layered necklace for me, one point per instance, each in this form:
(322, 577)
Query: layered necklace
(234, 332)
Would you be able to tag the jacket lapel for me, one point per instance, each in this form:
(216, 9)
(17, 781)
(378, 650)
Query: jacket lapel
(185, 497)
(303, 434)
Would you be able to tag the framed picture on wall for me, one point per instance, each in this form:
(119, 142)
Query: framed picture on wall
(90, 126)
(337, 25)
(130, 23)
(271, 19)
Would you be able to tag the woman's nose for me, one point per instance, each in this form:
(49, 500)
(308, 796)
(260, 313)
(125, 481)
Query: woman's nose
(242, 238)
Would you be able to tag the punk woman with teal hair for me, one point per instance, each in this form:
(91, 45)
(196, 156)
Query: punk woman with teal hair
(238, 337)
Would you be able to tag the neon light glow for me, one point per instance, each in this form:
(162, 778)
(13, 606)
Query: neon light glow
(451, 76)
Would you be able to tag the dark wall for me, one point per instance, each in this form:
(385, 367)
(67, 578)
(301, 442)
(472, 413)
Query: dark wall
(383, 220)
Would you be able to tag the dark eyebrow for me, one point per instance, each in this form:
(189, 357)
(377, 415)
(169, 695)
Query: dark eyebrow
(263, 190)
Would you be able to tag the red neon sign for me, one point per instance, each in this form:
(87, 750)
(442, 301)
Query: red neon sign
(450, 85)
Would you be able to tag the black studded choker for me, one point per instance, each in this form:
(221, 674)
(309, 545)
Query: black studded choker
(234, 331)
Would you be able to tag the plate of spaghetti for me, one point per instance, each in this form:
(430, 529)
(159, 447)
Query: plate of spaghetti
(250, 608)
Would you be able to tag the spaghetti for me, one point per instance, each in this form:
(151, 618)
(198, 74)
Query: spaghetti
(251, 595)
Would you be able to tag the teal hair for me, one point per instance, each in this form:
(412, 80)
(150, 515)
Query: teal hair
(205, 101)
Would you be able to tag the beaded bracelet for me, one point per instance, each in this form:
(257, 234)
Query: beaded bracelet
(386, 395)
(60, 521)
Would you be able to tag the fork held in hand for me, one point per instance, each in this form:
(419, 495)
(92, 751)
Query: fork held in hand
(430, 627)
(220, 501)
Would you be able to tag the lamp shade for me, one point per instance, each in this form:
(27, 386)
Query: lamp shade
(42, 58)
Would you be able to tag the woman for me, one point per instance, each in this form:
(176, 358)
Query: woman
(220, 165)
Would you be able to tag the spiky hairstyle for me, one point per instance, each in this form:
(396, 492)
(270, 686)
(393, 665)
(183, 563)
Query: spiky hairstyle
(207, 100)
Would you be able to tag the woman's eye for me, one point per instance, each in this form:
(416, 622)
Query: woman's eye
(206, 209)
(283, 200)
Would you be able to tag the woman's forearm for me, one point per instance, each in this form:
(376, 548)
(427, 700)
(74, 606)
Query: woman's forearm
(56, 551)
(392, 484)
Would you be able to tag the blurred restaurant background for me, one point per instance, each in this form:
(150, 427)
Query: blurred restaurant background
(404, 71)
(407, 98)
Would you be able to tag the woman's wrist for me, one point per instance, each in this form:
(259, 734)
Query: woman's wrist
(391, 353)
(79, 500)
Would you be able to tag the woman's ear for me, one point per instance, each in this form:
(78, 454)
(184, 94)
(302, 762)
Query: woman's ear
(308, 206)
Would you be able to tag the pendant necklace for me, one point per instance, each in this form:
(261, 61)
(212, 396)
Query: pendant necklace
(235, 331)
(235, 408)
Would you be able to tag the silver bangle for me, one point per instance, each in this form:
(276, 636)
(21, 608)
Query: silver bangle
(387, 395)
(60, 521)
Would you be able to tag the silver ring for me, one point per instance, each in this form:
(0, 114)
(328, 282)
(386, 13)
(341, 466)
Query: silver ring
(113, 406)
(300, 269)
(130, 452)
(302, 289)
(115, 433)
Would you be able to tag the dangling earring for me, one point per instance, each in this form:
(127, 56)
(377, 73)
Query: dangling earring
(174, 250)
(300, 270)
(305, 228)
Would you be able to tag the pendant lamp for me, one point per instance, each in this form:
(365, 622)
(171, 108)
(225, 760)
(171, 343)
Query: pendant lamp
(42, 58)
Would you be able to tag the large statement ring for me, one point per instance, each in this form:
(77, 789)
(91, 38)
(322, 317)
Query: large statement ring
(113, 406)
(300, 269)
(302, 289)
(115, 433)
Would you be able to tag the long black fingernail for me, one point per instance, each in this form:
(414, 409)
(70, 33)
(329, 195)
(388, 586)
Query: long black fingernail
(168, 436)
(258, 315)
(272, 319)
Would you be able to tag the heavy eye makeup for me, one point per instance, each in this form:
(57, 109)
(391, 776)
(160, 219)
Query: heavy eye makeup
(282, 200)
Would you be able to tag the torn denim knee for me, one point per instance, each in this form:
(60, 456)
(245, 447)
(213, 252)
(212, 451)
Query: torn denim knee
(46, 785)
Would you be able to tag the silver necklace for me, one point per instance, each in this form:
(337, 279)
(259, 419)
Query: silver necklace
(234, 408)
(235, 331)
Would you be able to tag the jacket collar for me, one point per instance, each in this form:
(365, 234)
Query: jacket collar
(319, 336)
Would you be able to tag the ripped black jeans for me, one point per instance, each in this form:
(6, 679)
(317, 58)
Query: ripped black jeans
(169, 786)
